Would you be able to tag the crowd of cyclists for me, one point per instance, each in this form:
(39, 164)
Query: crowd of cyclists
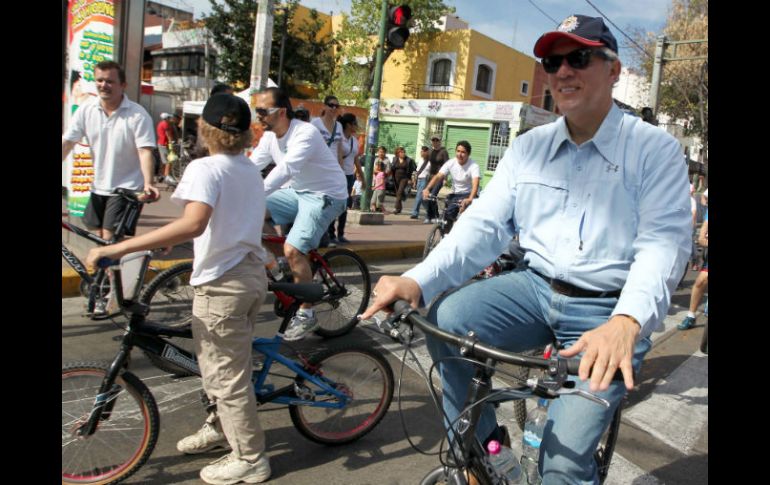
(598, 200)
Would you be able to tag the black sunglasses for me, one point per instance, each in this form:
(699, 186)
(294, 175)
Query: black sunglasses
(577, 59)
(332, 105)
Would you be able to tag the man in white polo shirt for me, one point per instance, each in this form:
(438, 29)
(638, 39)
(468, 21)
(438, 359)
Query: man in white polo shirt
(121, 137)
(317, 195)
(465, 180)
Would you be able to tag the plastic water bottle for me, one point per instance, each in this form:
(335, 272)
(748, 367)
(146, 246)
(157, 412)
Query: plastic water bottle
(533, 436)
(281, 270)
(505, 462)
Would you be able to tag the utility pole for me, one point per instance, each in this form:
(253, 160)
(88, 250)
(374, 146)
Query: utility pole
(374, 112)
(263, 37)
(283, 44)
(657, 70)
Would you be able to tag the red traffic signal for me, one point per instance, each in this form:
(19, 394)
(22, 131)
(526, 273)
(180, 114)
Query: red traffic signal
(398, 32)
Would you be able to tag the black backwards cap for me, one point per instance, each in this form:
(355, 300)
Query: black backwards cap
(221, 105)
(588, 31)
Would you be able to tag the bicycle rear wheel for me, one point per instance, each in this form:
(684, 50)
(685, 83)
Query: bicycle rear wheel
(364, 376)
(123, 440)
(435, 237)
(169, 296)
(346, 298)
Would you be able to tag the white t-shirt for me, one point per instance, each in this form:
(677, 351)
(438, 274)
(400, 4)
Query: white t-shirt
(425, 170)
(114, 142)
(232, 186)
(462, 175)
(335, 142)
(301, 156)
(349, 154)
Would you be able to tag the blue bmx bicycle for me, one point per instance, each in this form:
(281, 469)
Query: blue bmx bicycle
(110, 419)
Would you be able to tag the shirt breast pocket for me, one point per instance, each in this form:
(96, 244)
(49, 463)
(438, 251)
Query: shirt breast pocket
(539, 199)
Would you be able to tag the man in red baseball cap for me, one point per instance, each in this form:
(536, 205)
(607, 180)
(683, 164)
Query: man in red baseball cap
(599, 201)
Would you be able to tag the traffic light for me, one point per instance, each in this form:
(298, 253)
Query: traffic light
(398, 32)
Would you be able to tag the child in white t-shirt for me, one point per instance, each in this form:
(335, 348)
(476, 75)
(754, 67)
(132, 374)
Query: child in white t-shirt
(224, 210)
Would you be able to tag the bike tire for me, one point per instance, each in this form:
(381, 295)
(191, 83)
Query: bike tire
(435, 237)
(606, 448)
(105, 457)
(365, 375)
(169, 297)
(338, 315)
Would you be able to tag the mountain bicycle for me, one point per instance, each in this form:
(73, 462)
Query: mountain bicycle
(96, 287)
(110, 419)
(466, 455)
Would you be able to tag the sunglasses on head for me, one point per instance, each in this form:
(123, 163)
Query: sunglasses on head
(262, 112)
(577, 59)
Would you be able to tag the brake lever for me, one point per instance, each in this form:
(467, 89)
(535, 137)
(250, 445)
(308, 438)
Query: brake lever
(584, 394)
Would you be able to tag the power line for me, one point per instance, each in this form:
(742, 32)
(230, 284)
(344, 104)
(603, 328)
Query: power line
(619, 29)
(556, 22)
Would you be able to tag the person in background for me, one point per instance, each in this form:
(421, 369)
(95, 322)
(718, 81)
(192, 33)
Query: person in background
(301, 113)
(352, 167)
(421, 179)
(378, 186)
(167, 140)
(401, 168)
(701, 284)
(438, 157)
(221, 88)
(224, 211)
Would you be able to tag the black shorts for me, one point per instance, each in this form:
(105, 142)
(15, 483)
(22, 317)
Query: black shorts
(105, 211)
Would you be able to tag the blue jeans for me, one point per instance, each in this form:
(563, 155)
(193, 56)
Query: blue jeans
(421, 183)
(517, 311)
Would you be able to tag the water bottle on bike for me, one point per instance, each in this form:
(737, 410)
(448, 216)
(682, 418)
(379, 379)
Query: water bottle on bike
(505, 462)
(533, 436)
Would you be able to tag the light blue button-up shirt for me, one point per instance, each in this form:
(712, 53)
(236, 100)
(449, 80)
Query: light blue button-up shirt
(612, 213)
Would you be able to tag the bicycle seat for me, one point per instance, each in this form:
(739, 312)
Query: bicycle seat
(305, 292)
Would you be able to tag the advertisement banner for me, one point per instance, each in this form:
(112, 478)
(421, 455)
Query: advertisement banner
(90, 40)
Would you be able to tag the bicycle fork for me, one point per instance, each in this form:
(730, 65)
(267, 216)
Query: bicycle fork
(107, 396)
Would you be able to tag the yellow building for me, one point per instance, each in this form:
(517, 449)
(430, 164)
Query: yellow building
(462, 85)
(458, 63)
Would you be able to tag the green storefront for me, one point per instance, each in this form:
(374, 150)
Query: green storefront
(489, 127)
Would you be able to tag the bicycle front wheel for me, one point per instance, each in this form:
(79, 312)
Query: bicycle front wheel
(347, 286)
(363, 375)
(434, 238)
(124, 438)
(169, 297)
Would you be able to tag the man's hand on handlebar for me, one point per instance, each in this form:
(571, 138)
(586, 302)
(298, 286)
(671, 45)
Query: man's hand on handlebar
(151, 194)
(606, 348)
(388, 290)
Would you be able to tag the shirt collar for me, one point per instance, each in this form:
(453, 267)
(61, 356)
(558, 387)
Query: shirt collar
(123, 103)
(605, 140)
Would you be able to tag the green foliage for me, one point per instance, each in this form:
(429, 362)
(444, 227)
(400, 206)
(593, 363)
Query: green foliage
(684, 86)
(305, 57)
(357, 45)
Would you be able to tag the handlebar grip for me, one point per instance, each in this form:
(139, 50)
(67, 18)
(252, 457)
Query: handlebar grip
(402, 307)
(574, 364)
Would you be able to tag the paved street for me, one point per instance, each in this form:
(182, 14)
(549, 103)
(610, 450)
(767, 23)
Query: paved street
(663, 437)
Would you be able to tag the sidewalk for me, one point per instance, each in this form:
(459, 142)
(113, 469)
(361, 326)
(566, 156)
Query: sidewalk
(398, 238)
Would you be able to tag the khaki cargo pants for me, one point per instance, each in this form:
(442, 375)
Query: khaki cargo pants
(224, 312)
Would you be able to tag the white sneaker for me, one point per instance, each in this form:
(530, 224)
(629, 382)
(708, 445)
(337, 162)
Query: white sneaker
(207, 438)
(230, 469)
(300, 325)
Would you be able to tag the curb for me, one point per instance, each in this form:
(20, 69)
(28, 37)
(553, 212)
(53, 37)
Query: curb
(371, 253)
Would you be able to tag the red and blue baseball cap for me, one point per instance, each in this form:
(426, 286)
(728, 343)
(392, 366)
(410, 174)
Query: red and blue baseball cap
(588, 31)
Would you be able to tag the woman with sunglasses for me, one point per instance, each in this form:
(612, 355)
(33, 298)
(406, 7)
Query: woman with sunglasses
(330, 128)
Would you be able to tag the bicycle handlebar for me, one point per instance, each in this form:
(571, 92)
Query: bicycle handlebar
(557, 368)
(140, 196)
